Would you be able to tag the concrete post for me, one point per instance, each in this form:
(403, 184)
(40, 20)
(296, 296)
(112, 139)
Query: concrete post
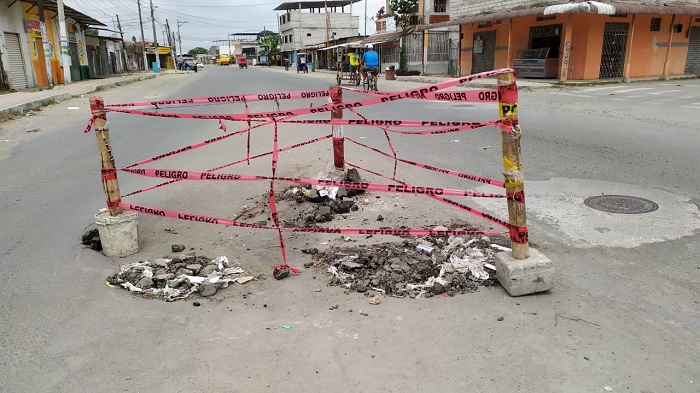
(336, 94)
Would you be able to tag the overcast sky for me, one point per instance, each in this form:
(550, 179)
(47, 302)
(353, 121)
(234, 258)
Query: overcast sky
(207, 20)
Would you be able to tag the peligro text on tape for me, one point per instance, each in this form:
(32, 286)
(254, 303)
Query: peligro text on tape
(480, 179)
(458, 205)
(228, 99)
(325, 108)
(345, 231)
(391, 188)
(229, 164)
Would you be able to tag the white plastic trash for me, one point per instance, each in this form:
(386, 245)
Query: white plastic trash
(119, 235)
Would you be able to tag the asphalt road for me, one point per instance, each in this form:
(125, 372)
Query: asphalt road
(631, 279)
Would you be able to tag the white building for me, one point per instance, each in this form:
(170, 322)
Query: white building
(307, 23)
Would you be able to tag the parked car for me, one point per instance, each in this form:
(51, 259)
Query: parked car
(186, 64)
(200, 66)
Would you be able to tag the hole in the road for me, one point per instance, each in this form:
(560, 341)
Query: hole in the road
(622, 204)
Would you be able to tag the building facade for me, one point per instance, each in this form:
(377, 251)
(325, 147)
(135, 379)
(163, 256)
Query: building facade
(578, 40)
(304, 24)
(30, 49)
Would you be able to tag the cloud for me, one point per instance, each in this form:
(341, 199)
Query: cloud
(201, 22)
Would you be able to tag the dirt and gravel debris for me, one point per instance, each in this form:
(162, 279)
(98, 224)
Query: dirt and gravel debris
(456, 265)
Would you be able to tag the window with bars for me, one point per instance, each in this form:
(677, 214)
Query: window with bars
(438, 46)
(655, 24)
(390, 55)
(440, 6)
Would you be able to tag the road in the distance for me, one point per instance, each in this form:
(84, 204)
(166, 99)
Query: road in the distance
(634, 276)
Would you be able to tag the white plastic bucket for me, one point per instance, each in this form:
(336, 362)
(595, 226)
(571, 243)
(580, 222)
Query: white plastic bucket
(119, 235)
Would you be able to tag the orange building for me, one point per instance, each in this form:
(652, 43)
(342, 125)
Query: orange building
(583, 41)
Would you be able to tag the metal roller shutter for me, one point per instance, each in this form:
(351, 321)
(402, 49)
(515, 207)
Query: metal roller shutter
(14, 52)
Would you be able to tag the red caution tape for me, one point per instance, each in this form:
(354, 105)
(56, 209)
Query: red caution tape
(344, 231)
(391, 188)
(229, 99)
(480, 179)
(128, 169)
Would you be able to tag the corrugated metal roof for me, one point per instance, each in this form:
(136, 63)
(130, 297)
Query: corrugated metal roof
(590, 7)
(594, 7)
(68, 11)
(379, 38)
(674, 9)
(482, 18)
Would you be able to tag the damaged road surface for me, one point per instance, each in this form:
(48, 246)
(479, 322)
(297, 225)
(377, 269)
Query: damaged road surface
(425, 267)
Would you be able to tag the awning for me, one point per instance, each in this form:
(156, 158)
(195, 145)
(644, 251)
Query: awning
(380, 38)
(69, 12)
(590, 7)
(306, 5)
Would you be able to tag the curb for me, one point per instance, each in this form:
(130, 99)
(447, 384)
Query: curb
(40, 102)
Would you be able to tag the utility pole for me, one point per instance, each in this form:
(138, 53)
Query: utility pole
(65, 58)
(143, 40)
(124, 58)
(365, 18)
(179, 38)
(171, 42)
(155, 36)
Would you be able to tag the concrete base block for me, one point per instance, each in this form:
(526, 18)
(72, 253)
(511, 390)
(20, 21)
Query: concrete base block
(524, 276)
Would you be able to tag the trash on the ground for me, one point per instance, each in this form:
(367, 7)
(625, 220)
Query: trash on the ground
(501, 248)
(455, 265)
(280, 272)
(177, 247)
(608, 388)
(243, 280)
(178, 278)
(287, 327)
(91, 239)
(73, 107)
(444, 294)
(424, 249)
(375, 300)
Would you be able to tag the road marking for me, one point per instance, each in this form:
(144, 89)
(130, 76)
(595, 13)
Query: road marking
(651, 103)
(563, 93)
(619, 99)
(658, 93)
(686, 97)
(601, 88)
(631, 90)
(631, 97)
(690, 106)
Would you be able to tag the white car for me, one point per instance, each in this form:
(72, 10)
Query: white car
(200, 66)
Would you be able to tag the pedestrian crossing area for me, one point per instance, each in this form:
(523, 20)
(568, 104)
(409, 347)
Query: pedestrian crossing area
(684, 95)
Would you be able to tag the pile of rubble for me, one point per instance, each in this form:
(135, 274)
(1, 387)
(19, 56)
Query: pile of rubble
(178, 278)
(425, 267)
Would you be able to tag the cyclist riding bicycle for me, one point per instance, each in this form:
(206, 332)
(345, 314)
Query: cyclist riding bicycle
(354, 60)
(370, 61)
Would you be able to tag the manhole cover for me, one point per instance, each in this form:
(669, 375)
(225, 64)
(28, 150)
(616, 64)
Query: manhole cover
(623, 204)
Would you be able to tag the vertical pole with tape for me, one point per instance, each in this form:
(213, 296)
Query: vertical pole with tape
(336, 95)
(110, 185)
(512, 163)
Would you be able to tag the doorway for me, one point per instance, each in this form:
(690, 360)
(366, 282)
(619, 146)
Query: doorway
(612, 59)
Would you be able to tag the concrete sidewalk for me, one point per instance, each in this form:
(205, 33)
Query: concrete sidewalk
(23, 101)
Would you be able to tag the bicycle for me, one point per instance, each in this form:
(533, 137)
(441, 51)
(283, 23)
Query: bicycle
(370, 83)
(355, 77)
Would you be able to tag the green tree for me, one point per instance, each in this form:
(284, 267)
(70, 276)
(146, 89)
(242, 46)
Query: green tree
(402, 10)
(403, 61)
(198, 51)
(269, 45)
